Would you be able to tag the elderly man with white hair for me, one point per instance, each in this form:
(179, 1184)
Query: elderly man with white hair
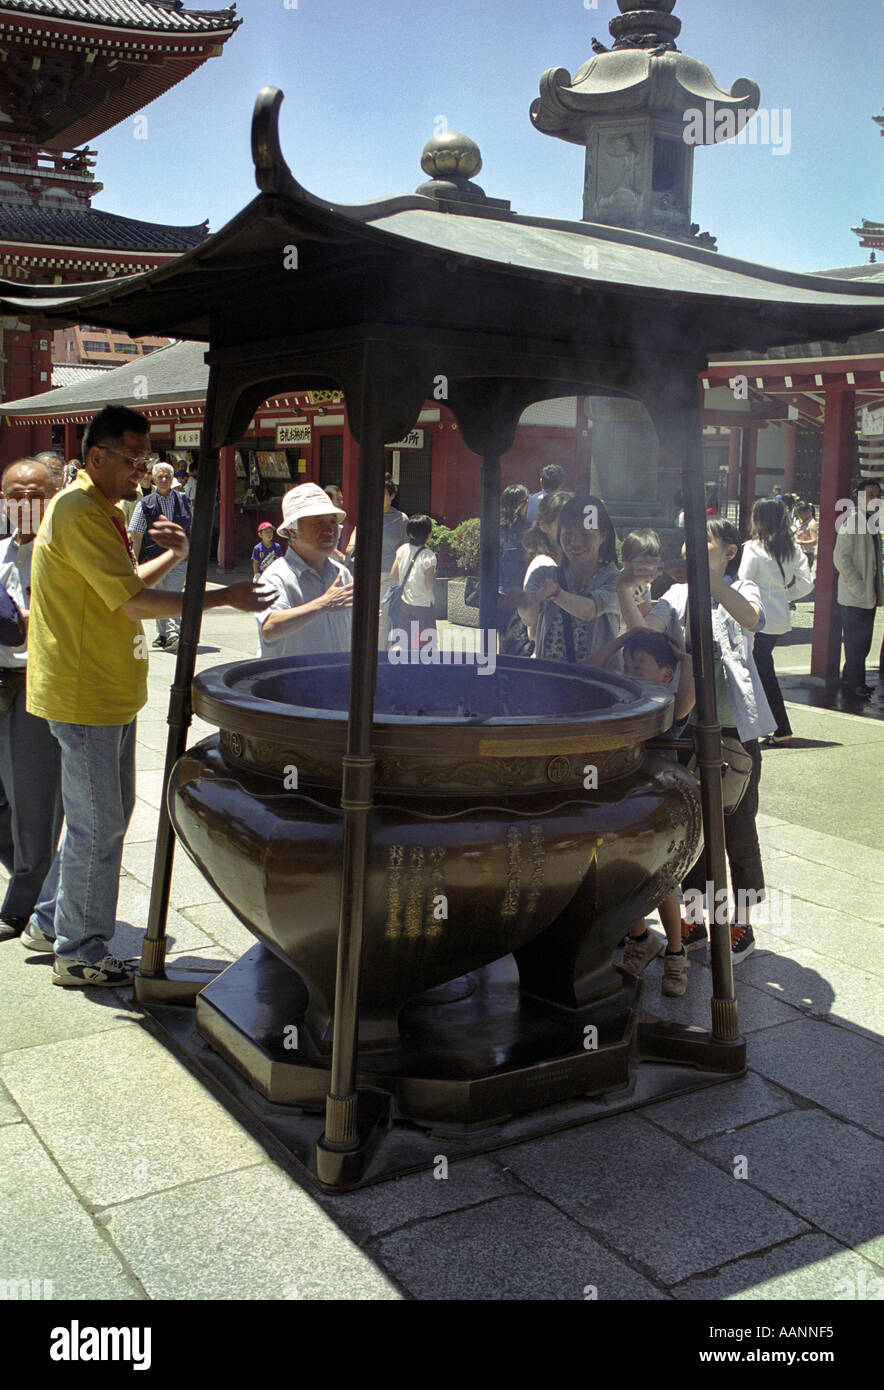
(172, 504)
(314, 592)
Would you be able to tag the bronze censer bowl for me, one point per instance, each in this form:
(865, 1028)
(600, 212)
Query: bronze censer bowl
(519, 819)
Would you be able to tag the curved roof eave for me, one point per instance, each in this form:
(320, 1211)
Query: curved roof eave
(602, 261)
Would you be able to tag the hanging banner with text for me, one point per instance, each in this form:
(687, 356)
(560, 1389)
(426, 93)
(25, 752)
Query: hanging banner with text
(289, 436)
(187, 438)
(413, 440)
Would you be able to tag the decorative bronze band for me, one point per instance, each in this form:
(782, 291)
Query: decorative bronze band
(153, 956)
(340, 1120)
(725, 1020)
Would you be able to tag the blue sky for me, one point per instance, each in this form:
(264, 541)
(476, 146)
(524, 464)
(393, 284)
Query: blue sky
(364, 84)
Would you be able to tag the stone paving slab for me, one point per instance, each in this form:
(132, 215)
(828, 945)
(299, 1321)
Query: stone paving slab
(252, 1234)
(218, 922)
(832, 888)
(511, 1248)
(826, 1171)
(821, 987)
(132, 913)
(122, 1117)
(758, 1009)
(836, 936)
(820, 848)
(45, 1234)
(143, 825)
(836, 1067)
(9, 1111)
(188, 883)
(618, 1176)
(808, 1268)
(719, 1109)
(33, 1010)
(389, 1206)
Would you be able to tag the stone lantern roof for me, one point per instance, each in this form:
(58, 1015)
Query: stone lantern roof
(639, 109)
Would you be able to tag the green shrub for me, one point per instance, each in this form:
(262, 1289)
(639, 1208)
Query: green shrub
(466, 545)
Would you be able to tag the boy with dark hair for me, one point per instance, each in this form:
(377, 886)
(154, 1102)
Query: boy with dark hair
(654, 662)
(552, 479)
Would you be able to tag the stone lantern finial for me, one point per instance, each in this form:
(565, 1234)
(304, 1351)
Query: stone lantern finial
(637, 108)
(646, 24)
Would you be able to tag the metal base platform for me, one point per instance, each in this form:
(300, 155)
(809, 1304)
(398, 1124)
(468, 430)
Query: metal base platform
(479, 1066)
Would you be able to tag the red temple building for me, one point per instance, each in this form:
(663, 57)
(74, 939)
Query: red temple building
(70, 72)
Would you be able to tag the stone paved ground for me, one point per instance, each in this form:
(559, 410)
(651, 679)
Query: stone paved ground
(122, 1177)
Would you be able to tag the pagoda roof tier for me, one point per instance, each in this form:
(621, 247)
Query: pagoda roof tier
(870, 234)
(433, 272)
(93, 229)
(159, 16)
(74, 68)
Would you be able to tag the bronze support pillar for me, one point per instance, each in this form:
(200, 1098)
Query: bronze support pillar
(725, 1022)
(153, 954)
(358, 766)
(489, 567)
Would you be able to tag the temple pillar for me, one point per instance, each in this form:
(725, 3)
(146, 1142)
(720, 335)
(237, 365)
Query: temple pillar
(837, 472)
(748, 477)
(733, 465)
(71, 444)
(226, 534)
(791, 458)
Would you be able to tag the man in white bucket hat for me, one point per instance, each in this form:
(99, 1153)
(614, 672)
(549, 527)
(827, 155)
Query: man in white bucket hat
(313, 591)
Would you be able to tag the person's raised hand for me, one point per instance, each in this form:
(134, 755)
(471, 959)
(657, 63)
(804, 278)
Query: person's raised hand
(249, 596)
(644, 569)
(168, 535)
(545, 589)
(338, 595)
(677, 570)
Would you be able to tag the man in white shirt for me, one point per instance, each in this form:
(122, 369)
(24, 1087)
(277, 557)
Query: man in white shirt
(30, 760)
(314, 592)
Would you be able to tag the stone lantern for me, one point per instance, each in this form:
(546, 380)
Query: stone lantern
(639, 109)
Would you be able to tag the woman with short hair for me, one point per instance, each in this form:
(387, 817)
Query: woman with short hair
(780, 569)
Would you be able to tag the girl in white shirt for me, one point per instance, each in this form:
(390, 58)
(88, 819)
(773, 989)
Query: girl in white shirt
(776, 564)
(416, 561)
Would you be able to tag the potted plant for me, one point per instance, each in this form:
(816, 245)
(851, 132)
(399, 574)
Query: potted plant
(465, 544)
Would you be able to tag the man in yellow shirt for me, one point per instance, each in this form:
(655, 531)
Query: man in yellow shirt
(88, 677)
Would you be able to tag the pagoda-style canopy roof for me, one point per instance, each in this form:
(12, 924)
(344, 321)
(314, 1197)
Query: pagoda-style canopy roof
(72, 69)
(432, 268)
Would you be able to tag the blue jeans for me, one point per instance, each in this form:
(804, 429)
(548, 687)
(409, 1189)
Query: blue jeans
(78, 901)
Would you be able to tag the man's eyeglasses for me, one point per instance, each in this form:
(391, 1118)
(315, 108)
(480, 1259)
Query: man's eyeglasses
(142, 462)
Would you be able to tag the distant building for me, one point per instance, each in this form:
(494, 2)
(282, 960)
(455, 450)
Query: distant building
(70, 72)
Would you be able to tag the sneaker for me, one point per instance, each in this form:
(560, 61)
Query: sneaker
(11, 927)
(693, 936)
(742, 942)
(171, 644)
(862, 692)
(34, 938)
(675, 974)
(79, 974)
(640, 952)
(159, 642)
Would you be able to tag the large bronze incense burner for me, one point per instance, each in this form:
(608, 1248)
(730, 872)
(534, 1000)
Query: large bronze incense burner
(516, 812)
(435, 829)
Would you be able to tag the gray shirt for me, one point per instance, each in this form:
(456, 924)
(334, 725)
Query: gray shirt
(15, 578)
(733, 653)
(295, 583)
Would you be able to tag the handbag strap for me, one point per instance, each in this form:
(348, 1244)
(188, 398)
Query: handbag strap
(419, 551)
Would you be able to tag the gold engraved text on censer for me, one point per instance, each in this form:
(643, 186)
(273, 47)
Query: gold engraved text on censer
(536, 865)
